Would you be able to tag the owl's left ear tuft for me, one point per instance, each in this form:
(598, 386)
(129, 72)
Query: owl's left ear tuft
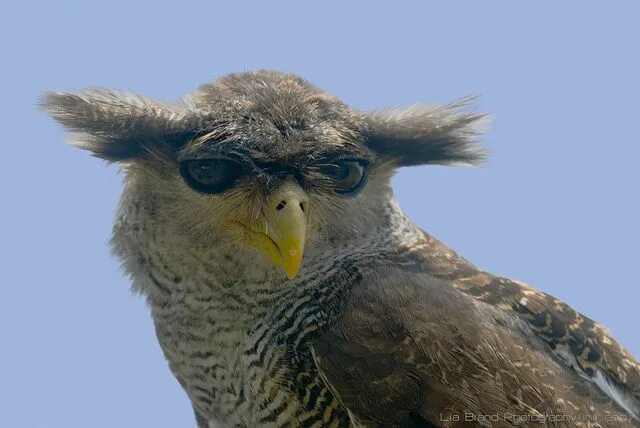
(116, 125)
(423, 134)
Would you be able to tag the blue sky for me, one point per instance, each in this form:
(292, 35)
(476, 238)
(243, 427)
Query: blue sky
(556, 206)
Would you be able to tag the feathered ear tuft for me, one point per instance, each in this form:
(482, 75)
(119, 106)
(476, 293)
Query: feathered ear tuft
(422, 134)
(117, 125)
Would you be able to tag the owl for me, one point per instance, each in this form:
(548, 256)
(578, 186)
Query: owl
(288, 288)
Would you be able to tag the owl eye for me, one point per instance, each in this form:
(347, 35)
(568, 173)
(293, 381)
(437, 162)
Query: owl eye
(348, 176)
(211, 175)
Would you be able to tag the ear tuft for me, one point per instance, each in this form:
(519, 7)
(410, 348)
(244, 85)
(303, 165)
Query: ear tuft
(422, 134)
(117, 125)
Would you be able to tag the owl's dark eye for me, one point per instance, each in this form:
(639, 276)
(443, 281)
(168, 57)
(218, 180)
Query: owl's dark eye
(211, 175)
(348, 176)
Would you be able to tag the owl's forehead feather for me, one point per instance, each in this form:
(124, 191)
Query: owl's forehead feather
(274, 115)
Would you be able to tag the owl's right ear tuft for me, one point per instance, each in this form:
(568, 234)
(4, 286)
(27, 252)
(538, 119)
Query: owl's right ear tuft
(119, 126)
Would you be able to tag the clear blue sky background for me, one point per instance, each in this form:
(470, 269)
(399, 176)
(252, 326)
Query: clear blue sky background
(556, 206)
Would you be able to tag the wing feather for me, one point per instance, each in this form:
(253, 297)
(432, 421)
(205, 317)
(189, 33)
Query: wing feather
(411, 349)
(581, 343)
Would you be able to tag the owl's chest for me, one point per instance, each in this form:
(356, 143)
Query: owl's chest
(245, 363)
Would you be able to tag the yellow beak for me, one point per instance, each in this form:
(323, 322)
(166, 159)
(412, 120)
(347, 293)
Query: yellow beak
(282, 236)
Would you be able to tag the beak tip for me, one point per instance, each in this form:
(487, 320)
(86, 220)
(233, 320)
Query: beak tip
(291, 276)
(291, 259)
(291, 271)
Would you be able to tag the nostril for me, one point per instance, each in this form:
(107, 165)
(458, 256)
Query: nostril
(302, 206)
(281, 205)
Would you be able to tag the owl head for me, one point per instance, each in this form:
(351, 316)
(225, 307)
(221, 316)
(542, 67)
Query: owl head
(264, 159)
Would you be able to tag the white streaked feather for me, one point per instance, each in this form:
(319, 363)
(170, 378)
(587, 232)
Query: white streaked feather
(619, 395)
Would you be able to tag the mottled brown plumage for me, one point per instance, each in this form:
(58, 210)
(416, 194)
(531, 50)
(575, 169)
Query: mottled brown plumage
(287, 287)
(429, 339)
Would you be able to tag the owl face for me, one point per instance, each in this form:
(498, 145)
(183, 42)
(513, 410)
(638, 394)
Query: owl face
(275, 165)
(264, 159)
(273, 206)
(273, 168)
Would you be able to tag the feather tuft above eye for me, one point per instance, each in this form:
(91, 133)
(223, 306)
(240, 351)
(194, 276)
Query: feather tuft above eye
(117, 125)
(424, 134)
